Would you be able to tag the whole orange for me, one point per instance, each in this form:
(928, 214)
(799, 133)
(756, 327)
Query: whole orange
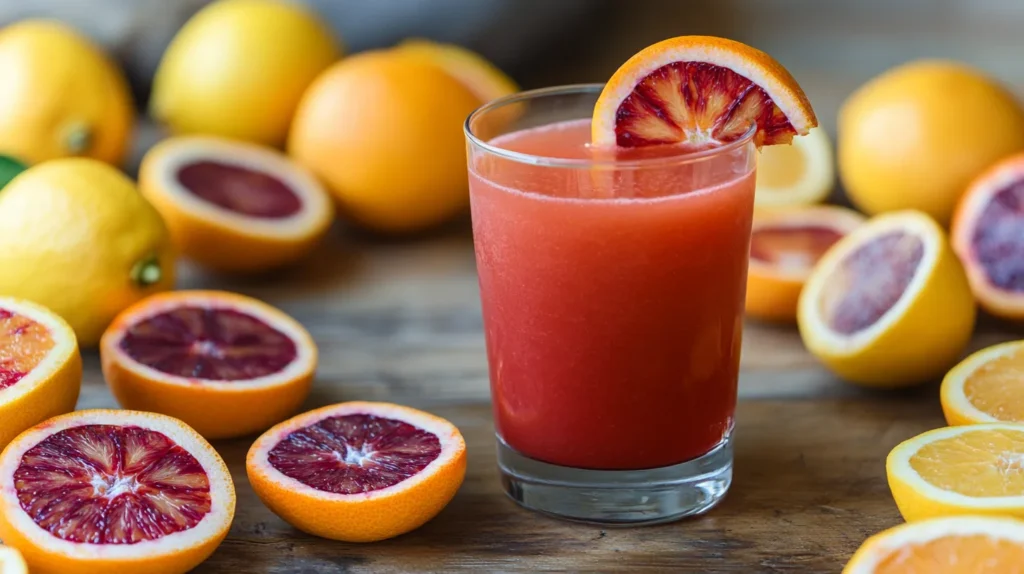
(383, 130)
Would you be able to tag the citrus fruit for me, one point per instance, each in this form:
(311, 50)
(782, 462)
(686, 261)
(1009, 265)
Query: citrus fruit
(482, 77)
(988, 235)
(383, 130)
(785, 243)
(11, 561)
(226, 364)
(986, 387)
(62, 96)
(700, 90)
(77, 237)
(888, 305)
(969, 469)
(118, 492)
(959, 545)
(798, 174)
(40, 368)
(239, 67)
(914, 137)
(358, 472)
(234, 206)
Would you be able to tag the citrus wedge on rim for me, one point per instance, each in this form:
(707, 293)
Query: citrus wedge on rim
(888, 305)
(228, 365)
(798, 174)
(969, 469)
(986, 387)
(958, 545)
(988, 235)
(701, 91)
(11, 561)
(785, 244)
(358, 472)
(117, 492)
(40, 367)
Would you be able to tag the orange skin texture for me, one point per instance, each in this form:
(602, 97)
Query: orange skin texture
(355, 519)
(215, 413)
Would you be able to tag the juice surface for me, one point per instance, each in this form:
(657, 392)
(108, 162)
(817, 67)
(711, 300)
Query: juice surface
(612, 300)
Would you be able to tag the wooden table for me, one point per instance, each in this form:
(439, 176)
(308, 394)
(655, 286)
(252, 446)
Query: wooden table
(400, 321)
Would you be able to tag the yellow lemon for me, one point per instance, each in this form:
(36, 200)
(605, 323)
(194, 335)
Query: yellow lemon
(914, 137)
(239, 67)
(60, 96)
(986, 387)
(801, 173)
(77, 237)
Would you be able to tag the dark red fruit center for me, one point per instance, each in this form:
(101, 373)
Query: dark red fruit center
(23, 345)
(106, 484)
(999, 239)
(792, 247)
(355, 453)
(871, 281)
(697, 102)
(209, 344)
(244, 191)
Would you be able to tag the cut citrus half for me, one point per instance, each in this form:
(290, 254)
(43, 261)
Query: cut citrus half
(988, 235)
(116, 492)
(702, 91)
(226, 364)
(358, 472)
(970, 469)
(958, 545)
(11, 561)
(235, 206)
(798, 174)
(888, 305)
(986, 387)
(40, 367)
(785, 244)
(474, 71)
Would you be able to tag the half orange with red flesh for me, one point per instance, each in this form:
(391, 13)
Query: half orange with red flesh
(701, 91)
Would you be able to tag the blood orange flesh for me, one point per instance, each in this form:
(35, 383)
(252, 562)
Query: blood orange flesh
(23, 344)
(998, 239)
(795, 247)
(245, 191)
(217, 344)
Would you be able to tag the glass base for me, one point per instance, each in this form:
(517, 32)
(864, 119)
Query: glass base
(618, 497)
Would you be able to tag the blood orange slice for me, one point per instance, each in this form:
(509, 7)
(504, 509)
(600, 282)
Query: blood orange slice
(784, 246)
(701, 91)
(235, 206)
(11, 561)
(988, 236)
(40, 368)
(226, 364)
(358, 472)
(113, 492)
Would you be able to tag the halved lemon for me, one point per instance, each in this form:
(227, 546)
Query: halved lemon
(801, 173)
(785, 244)
(11, 561)
(986, 387)
(701, 91)
(970, 469)
(959, 545)
(889, 304)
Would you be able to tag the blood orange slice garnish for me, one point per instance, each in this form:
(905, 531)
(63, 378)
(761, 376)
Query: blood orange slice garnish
(113, 491)
(235, 206)
(988, 236)
(226, 364)
(40, 368)
(701, 91)
(358, 472)
(784, 246)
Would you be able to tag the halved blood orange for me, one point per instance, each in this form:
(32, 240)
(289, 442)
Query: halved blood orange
(701, 91)
(358, 472)
(11, 561)
(988, 236)
(40, 367)
(226, 364)
(235, 206)
(118, 492)
(785, 244)
(888, 305)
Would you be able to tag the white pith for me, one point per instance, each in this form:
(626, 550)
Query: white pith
(64, 347)
(840, 219)
(895, 539)
(11, 561)
(314, 199)
(452, 445)
(210, 526)
(305, 358)
(912, 223)
(817, 178)
(953, 384)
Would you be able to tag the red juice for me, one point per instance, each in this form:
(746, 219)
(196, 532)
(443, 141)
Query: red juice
(612, 296)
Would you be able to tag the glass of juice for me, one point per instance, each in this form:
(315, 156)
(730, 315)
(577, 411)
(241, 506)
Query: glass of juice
(612, 285)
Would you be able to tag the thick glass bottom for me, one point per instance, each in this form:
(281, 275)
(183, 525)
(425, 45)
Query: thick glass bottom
(618, 497)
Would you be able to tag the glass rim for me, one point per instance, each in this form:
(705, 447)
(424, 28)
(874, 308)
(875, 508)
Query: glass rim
(548, 161)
